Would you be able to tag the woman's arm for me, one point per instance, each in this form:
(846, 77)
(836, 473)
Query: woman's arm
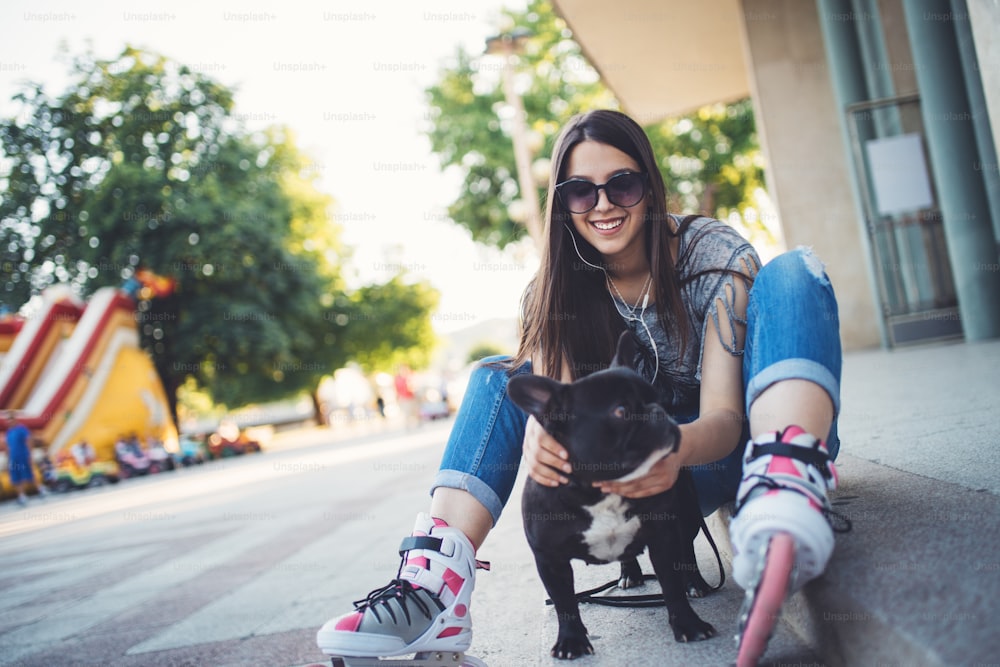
(717, 430)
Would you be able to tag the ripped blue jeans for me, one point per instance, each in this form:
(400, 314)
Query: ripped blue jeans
(793, 332)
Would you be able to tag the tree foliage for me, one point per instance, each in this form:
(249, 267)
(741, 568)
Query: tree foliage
(711, 162)
(470, 126)
(710, 158)
(484, 349)
(389, 324)
(141, 165)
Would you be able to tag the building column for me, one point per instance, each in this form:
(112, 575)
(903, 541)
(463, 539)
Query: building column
(951, 142)
(848, 75)
(985, 141)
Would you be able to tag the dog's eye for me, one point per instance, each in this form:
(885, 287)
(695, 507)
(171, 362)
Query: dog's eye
(619, 412)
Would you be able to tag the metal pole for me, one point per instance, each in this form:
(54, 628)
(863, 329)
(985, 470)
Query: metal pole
(522, 154)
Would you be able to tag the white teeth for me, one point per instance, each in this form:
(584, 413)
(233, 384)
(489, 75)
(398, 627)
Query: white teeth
(608, 225)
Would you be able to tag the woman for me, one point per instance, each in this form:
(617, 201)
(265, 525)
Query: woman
(743, 354)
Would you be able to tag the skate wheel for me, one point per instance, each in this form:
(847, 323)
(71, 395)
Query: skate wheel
(767, 600)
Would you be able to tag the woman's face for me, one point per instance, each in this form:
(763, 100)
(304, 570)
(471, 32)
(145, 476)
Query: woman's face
(615, 231)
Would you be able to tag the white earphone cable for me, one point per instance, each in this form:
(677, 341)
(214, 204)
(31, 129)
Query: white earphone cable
(631, 316)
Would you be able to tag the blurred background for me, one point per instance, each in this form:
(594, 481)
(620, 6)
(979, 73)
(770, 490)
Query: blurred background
(267, 214)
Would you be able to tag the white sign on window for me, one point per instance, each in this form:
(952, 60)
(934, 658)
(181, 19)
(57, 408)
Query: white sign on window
(899, 174)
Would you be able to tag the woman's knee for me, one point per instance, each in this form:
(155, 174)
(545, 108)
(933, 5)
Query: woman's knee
(800, 266)
(795, 282)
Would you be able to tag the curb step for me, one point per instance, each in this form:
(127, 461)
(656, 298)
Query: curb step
(915, 582)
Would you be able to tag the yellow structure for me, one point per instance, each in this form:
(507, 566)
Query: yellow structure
(76, 372)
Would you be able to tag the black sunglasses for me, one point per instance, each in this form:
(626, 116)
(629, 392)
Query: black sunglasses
(579, 195)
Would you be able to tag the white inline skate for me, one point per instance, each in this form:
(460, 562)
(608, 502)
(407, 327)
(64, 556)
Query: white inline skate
(781, 531)
(422, 613)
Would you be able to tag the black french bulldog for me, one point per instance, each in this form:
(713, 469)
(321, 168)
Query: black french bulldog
(615, 428)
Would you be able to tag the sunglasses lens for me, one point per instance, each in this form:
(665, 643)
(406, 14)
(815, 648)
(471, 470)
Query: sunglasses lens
(626, 189)
(578, 196)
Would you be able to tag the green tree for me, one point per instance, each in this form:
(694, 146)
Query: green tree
(712, 163)
(484, 349)
(141, 166)
(389, 325)
(710, 158)
(470, 118)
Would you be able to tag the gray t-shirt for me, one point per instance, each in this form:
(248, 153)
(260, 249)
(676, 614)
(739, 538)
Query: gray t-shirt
(707, 247)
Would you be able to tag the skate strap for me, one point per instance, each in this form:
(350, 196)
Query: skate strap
(422, 542)
(838, 522)
(421, 575)
(434, 544)
(424, 578)
(814, 457)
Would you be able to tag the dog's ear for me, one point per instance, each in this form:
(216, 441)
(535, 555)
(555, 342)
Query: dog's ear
(625, 354)
(532, 393)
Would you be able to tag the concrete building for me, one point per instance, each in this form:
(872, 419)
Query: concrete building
(879, 120)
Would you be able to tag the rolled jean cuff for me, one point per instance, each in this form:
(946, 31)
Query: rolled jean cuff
(480, 490)
(794, 369)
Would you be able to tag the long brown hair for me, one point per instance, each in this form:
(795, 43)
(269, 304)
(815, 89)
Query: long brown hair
(568, 317)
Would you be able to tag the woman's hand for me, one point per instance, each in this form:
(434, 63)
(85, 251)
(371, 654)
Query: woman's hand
(545, 457)
(662, 476)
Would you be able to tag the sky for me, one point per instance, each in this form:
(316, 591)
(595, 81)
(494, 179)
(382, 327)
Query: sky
(348, 78)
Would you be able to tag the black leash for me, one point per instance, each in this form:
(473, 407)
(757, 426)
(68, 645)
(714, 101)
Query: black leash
(651, 600)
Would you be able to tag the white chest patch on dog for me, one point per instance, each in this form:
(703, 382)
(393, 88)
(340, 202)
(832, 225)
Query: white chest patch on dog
(611, 532)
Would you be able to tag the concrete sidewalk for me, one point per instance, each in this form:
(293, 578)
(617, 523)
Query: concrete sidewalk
(918, 579)
(916, 582)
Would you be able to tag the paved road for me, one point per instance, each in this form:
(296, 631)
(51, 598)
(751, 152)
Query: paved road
(232, 563)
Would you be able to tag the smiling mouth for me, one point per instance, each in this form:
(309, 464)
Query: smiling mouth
(608, 225)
